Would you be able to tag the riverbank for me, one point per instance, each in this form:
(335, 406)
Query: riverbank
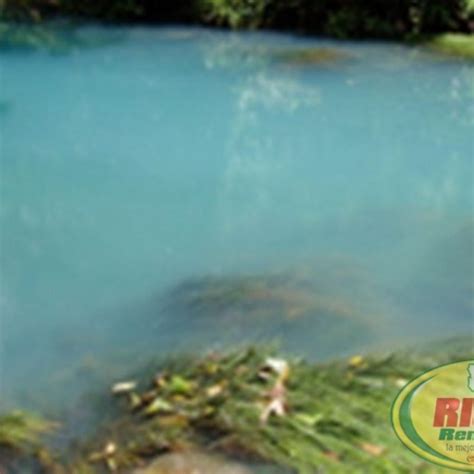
(59, 37)
(344, 19)
(250, 406)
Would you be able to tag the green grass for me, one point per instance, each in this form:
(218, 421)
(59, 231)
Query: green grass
(453, 44)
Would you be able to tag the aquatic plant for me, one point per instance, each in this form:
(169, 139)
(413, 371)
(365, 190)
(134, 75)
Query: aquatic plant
(21, 431)
(270, 306)
(332, 300)
(332, 417)
(288, 294)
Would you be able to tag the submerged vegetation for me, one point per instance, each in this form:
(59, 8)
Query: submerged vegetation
(342, 19)
(253, 406)
(21, 431)
(319, 299)
(254, 297)
(20, 439)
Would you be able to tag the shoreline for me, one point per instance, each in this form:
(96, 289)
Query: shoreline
(48, 35)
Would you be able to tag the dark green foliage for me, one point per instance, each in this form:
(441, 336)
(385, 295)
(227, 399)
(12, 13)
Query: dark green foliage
(339, 18)
(36, 10)
(235, 13)
(342, 18)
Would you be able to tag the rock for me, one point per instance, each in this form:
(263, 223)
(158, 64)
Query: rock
(192, 463)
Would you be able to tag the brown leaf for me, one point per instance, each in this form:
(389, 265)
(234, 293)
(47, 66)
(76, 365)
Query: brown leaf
(373, 449)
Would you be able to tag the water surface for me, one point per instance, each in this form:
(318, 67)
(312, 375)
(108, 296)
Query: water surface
(152, 156)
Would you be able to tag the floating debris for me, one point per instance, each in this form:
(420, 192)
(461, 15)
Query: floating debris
(107, 455)
(124, 387)
(277, 404)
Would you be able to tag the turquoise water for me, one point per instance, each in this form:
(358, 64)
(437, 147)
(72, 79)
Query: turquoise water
(153, 156)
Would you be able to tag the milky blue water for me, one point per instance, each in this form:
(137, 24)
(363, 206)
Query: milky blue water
(155, 155)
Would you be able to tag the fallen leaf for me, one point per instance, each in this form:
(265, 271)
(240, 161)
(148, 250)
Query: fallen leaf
(124, 387)
(373, 449)
(215, 391)
(356, 361)
(158, 405)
